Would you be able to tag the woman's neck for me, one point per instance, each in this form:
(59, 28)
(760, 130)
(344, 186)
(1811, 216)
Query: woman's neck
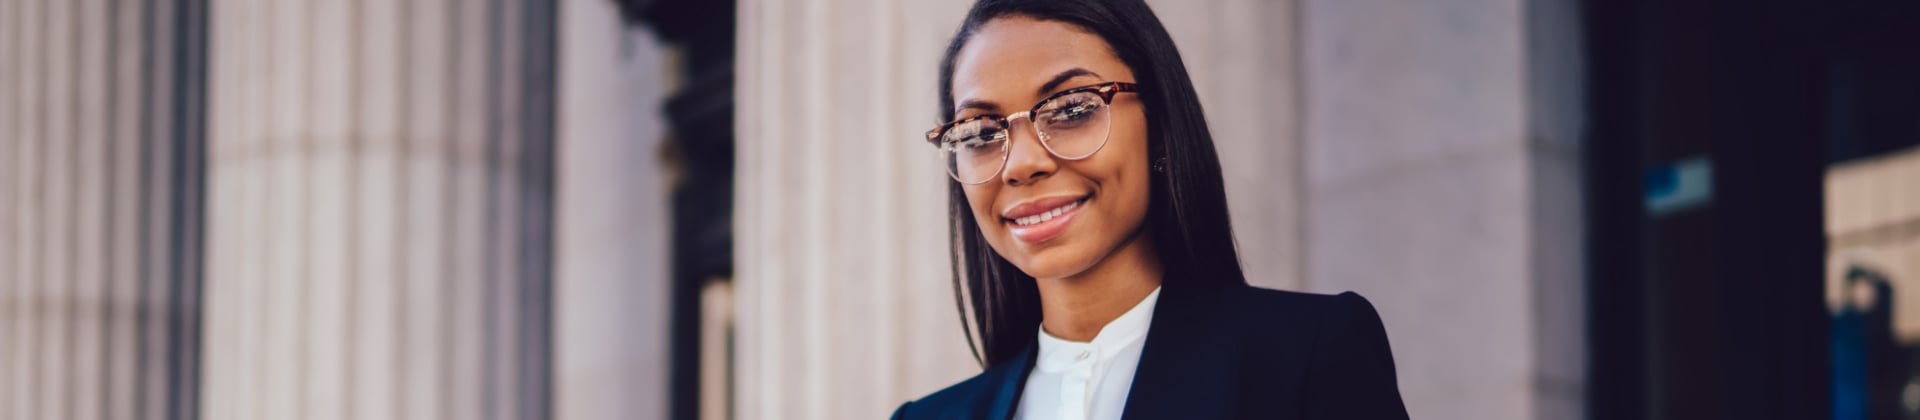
(1076, 308)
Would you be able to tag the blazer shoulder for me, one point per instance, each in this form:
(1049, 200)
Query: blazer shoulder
(988, 394)
(1348, 318)
(1268, 305)
(1288, 354)
(1349, 368)
(1352, 373)
(947, 402)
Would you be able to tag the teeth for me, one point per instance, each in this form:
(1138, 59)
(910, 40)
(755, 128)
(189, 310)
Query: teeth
(1048, 215)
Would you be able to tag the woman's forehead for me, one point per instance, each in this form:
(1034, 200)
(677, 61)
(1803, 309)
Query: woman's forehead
(1008, 59)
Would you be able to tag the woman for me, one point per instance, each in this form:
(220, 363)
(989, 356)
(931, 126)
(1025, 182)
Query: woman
(1091, 240)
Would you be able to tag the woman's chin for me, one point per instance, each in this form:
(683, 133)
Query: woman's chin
(1054, 262)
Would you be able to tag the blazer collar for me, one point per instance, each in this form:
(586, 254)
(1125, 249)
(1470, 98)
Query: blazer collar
(1009, 379)
(1183, 370)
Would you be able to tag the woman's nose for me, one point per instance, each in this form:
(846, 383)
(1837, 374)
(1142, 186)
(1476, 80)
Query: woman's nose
(1029, 160)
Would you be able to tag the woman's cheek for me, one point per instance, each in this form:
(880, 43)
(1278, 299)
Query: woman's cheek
(982, 208)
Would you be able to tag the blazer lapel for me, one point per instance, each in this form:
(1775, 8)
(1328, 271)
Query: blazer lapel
(1008, 381)
(1183, 372)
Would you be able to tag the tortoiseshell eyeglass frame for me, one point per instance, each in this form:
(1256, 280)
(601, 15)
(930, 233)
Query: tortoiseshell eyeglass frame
(1105, 90)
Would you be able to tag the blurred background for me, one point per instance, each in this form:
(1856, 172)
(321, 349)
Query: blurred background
(617, 209)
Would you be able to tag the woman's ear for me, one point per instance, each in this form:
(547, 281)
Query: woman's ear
(1157, 156)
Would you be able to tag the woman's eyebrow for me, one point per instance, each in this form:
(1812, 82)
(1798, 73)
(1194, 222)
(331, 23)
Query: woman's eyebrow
(975, 104)
(1045, 89)
(1063, 77)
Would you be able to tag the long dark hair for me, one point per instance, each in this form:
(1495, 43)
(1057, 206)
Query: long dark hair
(1187, 217)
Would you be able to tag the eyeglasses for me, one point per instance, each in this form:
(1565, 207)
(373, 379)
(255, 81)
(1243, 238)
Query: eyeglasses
(1072, 125)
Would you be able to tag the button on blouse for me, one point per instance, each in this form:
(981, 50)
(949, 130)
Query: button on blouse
(1090, 380)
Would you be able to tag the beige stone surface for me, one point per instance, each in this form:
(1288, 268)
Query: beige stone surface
(1442, 178)
(845, 310)
(611, 297)
(75, 233)
(365, 191)
(1873, 221)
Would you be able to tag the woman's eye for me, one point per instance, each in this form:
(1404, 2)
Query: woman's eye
(1073, 112)
(975, 141)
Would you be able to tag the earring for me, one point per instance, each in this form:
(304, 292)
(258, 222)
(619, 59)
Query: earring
(1160, 165)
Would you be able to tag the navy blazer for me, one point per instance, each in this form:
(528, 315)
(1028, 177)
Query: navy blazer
(1237, 352)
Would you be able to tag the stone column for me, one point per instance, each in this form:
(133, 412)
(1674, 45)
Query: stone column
(611, 265)
(1442, 182)
(380, 210)
(100, 159)
(845, 309)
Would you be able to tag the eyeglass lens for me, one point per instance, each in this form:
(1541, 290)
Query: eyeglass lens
(1071, 127)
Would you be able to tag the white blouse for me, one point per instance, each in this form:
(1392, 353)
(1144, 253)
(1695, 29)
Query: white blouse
(1078, 381)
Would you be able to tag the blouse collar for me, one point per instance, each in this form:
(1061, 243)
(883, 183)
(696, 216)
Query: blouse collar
(1057, 354)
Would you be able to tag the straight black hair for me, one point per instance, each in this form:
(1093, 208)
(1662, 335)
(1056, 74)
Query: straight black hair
(1187, 215)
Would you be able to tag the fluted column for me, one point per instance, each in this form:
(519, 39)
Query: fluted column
(100, 157)
(843, 300)
(380, 185)
(611, 239)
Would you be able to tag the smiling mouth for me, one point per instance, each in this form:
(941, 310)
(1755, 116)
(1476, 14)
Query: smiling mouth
(1048, 215)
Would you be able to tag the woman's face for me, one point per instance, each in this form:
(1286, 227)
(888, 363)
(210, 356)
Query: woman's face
(1010, 64)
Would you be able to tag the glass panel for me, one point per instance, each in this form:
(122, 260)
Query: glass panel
(974, 149)
(1074, 125)
(1873, 286)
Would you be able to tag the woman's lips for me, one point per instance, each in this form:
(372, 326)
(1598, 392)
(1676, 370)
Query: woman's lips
(1055, 223)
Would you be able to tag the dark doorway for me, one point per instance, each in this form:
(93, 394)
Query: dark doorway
(1716, 307)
